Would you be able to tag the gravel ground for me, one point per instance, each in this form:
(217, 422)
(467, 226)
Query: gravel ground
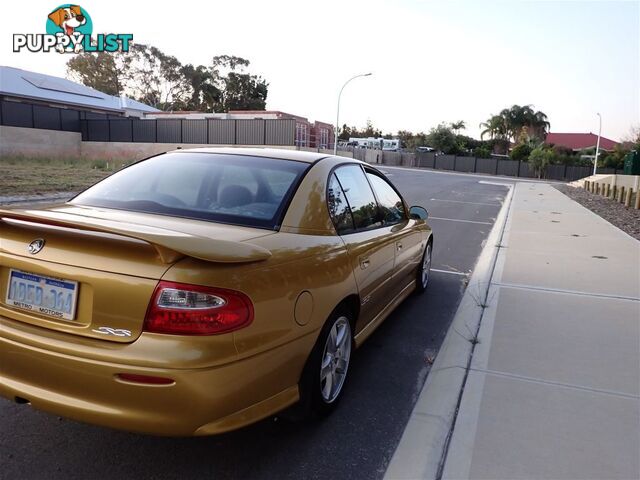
(626, 219)
(17, 200)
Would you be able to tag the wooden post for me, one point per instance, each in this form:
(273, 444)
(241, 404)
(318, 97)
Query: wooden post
(614, 192)
(621, 199)
(607, 190)
(627, 200)
(637, 204)
(585, 185)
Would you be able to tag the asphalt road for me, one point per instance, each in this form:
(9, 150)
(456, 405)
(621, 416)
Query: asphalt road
(355, 442)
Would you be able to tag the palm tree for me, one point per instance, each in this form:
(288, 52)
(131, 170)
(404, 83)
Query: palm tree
(496, 128)
(540, 125)
(459, 125)
(524, 121)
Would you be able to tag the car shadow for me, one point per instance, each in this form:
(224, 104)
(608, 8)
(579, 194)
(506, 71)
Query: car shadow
(355, 441)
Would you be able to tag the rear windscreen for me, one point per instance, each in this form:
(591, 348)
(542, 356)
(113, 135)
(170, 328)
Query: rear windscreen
(235, 189)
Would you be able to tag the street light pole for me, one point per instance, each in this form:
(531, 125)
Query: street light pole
(335, 134)
(595, 162)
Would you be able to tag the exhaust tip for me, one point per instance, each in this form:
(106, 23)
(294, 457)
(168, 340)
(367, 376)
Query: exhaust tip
(22, 401)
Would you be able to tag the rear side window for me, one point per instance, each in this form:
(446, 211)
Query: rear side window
(235, 189)
(390, 202)
(362, 203)
(339, 207)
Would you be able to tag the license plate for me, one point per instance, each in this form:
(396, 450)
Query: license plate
(53, 297)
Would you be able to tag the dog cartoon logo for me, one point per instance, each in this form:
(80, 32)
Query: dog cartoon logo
(70, 30)
(69, 20)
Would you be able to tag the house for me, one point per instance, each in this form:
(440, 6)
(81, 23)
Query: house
(579, 141)
(19, 86)
(307, 134)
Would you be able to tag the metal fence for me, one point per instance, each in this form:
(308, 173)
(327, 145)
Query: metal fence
(102, 127)
(489, 166)
(198, 131)
(19, 114)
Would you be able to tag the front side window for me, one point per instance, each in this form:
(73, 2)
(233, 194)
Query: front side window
(235, 189)
(390, 202)
(362, 203)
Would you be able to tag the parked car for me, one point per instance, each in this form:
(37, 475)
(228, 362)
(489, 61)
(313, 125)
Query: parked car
(201, 290)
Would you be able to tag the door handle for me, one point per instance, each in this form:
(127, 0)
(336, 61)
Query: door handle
(364, 263)
(398, 246)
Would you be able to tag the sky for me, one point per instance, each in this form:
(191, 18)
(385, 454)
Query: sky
(432, 61)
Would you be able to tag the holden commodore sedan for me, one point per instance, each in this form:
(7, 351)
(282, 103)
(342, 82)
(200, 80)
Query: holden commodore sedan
(201, 290)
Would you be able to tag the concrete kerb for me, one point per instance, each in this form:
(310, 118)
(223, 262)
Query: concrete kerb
(496, 178)
(422, 448)
(16, 200)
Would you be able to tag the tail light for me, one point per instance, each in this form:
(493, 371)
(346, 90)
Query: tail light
(182, 309)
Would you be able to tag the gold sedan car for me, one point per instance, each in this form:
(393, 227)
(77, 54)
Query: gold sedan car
(201, 290)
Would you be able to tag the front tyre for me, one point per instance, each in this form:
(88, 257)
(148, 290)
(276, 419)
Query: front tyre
(326, 370)
(424, 270)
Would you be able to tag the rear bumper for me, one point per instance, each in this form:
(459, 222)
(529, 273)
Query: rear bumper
(201, 401)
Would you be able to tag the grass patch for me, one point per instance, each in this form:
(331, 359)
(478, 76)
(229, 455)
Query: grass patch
(38, 176)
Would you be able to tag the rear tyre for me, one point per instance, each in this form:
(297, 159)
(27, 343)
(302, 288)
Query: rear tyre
(325, 373)
(424, 270)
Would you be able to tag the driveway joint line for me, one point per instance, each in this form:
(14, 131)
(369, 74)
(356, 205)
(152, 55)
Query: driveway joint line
(459, 220)
(462, 201)
(556, 384)
(437, 270)
(570, 292)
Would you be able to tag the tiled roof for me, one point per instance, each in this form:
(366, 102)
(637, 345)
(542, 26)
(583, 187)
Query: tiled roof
(579, 141)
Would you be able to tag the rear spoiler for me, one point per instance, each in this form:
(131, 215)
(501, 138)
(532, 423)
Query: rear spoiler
(170, 245)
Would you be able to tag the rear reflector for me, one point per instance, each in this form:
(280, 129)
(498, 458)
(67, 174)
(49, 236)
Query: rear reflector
(146, 379)
(182, 309)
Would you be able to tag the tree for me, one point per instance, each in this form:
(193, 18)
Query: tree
(244, 92)
(205, 95)
(496, 128)
(443, 139)
(520, 152)
(517, 124)
(159, 80)
(459, 125)
(102, 71)
(352, 132)
(149, 75)
(345, 133)
(406, 138)
(614, 159)
(371, 131)
(517, 119)
(482, 151)
(539, 158)
(239, 90)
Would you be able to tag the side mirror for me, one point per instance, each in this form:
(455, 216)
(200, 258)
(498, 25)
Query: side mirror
(418, 213)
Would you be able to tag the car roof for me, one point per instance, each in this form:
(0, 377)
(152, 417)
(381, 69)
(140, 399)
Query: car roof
(277, 153)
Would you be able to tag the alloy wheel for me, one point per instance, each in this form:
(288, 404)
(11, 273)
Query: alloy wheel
(426, 266)
(335, 360)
